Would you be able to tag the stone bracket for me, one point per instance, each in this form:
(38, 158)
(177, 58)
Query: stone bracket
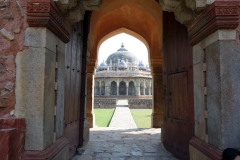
(46, 14)
(219, 15)
(207, 149)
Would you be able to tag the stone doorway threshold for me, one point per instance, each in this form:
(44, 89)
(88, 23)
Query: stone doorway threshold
(124, 144)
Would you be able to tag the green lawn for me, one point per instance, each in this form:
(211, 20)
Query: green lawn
(142, 117)
(103, 117)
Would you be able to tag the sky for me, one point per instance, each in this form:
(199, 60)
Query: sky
(131, 43)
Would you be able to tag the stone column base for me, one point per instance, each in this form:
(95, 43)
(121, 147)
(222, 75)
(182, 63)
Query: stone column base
(200, 150)
(90, 117)
(59, 150)
(86, 133)
(157, 120)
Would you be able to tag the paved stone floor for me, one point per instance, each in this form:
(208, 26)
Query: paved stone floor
(122, 118)
(124, 144)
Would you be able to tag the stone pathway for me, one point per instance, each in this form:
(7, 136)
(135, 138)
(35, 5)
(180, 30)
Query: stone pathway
(124, 144)
(122, 118)
(122, 102)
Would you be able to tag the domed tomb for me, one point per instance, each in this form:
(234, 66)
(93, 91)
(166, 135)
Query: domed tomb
(122, 54)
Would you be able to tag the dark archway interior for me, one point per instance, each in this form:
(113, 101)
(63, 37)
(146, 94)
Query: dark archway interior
(113, 90)
(131, 89)
(122, 88)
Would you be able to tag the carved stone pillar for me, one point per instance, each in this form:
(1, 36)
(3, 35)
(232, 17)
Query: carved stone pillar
(100, 89)
(117, 88)
(107, 87)
(149, 90)
(137, 88)
(127, 90)
(144, 87)
(157, 114)
(216, 79)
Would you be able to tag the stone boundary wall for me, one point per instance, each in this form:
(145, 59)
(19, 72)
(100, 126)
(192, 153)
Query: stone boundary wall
(105, 103)
(140, 103)
(133, 103)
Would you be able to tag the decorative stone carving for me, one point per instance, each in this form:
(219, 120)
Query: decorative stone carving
(47, 14)
(185, 10)
(219, 15)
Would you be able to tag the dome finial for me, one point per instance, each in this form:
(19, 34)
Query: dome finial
(122, 45)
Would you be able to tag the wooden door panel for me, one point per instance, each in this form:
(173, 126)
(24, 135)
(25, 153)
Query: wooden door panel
(178, 90)
(178, 122)
(72, 88)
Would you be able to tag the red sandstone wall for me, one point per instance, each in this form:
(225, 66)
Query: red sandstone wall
(13, 19)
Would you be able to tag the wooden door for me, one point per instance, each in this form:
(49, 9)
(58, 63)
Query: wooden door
(178, 123)
(73, 87)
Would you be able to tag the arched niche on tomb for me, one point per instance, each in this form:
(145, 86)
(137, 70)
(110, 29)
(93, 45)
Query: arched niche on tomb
(97, 88)
(113, 90)
(122, 88)
(147, 89)
(102, 88)
(131, 88)
(142, 92)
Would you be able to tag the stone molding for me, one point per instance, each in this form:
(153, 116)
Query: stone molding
(207, 149)
(219, 15)
(109, 73)
(45, 13)
(48, 153)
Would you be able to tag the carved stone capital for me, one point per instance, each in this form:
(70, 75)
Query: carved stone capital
(219, 15)
(46, 14)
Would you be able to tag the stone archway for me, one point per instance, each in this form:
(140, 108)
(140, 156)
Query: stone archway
(27, 60)
(150, 34)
